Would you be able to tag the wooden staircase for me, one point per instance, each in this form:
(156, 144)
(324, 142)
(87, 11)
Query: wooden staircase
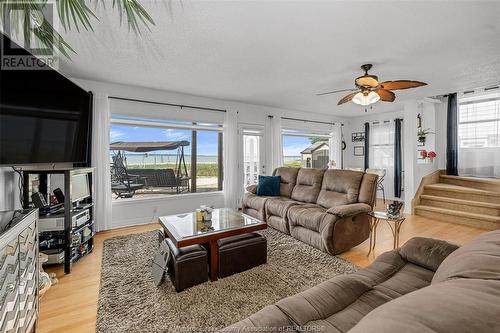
(463, 200)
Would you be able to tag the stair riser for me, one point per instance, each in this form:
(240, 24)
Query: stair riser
(462, 195)
(472, 184)
(458, 219)
(460, 207)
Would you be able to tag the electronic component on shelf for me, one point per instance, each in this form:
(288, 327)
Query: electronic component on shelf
(54, 257)
(57, 223)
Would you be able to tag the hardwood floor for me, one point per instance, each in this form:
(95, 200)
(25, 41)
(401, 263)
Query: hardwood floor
(71, 305)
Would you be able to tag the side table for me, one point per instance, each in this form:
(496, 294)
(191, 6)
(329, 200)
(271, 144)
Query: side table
(394, 223)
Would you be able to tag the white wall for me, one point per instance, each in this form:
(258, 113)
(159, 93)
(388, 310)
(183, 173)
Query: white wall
(139, 211)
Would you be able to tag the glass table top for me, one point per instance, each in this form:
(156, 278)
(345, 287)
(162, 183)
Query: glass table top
(384, 216)
(185, 225)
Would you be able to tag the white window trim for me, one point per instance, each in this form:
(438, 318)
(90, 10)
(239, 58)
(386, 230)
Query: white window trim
(158, 124)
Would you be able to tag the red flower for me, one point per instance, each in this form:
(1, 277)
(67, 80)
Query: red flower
(431, 154)
(423, 153)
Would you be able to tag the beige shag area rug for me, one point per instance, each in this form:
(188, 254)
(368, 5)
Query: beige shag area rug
(129, 301)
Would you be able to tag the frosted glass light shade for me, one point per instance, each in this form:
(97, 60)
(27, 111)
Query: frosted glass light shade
(361, 99)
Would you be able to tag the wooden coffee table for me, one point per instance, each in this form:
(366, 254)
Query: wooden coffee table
(183, 230)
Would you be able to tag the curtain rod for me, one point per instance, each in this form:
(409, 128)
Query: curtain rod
(309, 121)
(168, 104)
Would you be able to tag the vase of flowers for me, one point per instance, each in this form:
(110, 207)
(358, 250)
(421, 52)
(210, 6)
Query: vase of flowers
(431, 155)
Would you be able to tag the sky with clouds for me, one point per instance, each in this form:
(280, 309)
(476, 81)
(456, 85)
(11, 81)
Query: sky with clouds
(207, 140)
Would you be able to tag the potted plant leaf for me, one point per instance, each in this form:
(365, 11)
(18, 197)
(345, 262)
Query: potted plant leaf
(422, 134)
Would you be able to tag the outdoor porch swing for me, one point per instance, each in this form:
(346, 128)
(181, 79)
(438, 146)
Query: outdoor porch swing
(126, 181)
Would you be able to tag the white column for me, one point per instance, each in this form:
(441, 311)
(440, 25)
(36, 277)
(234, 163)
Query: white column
(410, 151)
(232, 186)
(101, 161)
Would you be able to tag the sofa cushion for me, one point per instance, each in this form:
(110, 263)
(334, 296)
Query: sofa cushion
(368, 189)
(308, 185)
(340, 303)
(426, 252)
(254, 205)
(288, 179)
(340, 187)
(269, 186)
(279, 206)
(478, 259)
(310, 216)
(462, 305)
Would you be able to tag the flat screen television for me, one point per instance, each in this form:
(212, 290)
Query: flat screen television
(44, 118)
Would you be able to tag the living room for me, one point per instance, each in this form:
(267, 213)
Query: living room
(250, 166)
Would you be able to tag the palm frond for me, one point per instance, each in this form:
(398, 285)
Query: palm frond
(135, 14)
(24, 17)
(76, 11)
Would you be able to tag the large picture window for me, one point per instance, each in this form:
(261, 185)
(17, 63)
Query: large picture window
(479, 136)
(151, 157)
(305, 150)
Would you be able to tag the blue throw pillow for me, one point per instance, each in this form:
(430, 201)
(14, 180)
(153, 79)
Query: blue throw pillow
(269, 186)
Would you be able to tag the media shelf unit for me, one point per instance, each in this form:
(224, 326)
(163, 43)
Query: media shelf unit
(70, 236)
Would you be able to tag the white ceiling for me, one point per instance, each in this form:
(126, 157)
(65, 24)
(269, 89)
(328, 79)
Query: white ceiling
(280, 53)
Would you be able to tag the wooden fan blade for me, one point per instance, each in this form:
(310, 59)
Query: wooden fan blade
(335, 91)
(386, 95)
(401, 84)
(347, 98)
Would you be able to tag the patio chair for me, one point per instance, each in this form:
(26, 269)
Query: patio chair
(123, 184)
(380, 182)
(167, 178)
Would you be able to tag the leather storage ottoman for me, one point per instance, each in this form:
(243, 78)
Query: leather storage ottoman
(242, 252)
(188, 266)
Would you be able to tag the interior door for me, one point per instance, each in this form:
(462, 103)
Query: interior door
(252, 157)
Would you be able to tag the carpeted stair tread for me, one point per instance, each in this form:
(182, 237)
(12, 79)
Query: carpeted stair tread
(460, 201)
(469, 215)
(488, 184)
(460, 189)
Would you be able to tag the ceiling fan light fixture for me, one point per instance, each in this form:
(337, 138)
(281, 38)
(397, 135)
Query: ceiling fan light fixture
(370, 98)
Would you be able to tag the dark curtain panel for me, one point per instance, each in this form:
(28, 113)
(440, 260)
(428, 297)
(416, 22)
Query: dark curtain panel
(367, 145)
(398, 161)
(452, 136)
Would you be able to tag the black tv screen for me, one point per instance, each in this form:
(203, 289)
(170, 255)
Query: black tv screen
(44, 118)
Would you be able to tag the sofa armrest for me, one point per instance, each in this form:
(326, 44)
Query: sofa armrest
(349, 210)
(252, 189)
(426, 252)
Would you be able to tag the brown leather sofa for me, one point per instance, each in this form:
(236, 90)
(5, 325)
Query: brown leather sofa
(326, 209)
(427, 285)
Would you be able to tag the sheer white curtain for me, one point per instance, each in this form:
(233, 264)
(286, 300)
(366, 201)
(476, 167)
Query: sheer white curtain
(101, 160)
(232, 186)
(382, 152)
(276, 140)
(335, 145)
(479, 136)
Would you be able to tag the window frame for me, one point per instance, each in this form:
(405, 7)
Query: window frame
(117, 119)
(496, 121)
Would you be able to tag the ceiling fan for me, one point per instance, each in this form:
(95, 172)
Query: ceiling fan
(368, 90)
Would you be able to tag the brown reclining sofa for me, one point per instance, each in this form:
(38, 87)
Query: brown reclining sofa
(326, 209)
(426, 286)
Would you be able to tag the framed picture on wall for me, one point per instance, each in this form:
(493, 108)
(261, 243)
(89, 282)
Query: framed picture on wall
(359, 151)
(358, 136)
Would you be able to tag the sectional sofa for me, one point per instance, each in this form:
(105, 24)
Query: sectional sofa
(426, 286)
(326, 209)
